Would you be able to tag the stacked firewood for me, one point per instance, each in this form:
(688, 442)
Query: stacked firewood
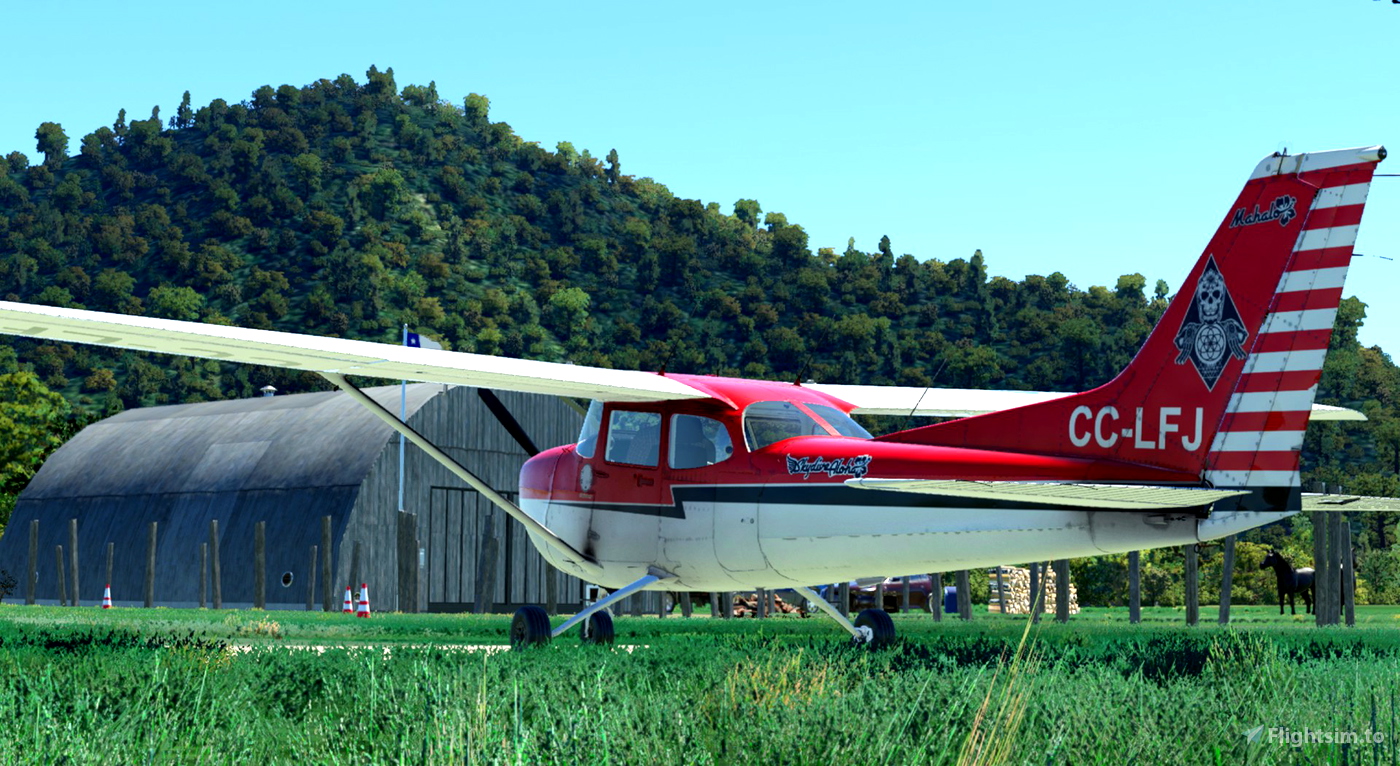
(1018, 590)
(746, 605)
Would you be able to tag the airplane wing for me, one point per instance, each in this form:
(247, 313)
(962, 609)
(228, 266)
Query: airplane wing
(337, 355)
(382, 360)
(1113, 497)
(1349, 503)
(962, 402)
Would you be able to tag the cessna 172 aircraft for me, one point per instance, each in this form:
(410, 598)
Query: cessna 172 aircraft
(694, 483)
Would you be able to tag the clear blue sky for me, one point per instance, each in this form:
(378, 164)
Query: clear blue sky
(1089, 138)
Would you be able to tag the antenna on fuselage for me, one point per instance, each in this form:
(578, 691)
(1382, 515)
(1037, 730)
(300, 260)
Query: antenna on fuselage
(910, 418)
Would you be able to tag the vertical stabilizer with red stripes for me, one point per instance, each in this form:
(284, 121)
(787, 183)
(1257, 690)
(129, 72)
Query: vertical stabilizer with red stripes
(1224, 385)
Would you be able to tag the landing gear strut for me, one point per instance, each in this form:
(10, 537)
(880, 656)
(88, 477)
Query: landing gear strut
(598, 627)
(873, 628)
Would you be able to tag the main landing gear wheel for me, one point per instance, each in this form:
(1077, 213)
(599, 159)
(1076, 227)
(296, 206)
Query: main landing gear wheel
(529, 628)
(876, 627)
(598, 629)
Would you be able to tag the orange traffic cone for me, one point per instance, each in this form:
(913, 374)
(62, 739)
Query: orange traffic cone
(348, 609)
(363, 611)
(107, 598)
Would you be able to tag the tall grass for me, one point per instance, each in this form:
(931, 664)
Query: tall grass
(693, 692)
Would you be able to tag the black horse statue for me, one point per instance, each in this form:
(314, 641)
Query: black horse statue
(1290, 581)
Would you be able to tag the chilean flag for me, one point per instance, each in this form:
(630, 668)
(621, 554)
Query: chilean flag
(419, 341)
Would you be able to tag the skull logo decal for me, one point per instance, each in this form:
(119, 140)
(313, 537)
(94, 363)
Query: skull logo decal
(1212, 331)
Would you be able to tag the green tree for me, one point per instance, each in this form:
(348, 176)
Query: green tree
(34, 422)
(53, 143)
(747, 211)
(614, 169)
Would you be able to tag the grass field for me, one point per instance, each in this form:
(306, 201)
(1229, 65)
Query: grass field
(166, 686)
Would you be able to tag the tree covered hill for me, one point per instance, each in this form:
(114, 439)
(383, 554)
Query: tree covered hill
(347, 209)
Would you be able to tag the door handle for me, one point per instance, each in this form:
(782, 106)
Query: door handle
(601, 474)
(645, 481)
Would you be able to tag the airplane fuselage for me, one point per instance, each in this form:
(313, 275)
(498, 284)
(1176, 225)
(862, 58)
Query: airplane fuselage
(748, 514)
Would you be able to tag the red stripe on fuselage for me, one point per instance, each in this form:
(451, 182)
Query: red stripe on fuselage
(1300, 380)
(1321, 258)
(1326, 218)
(1253, 461)
(1303, 300)
(1306, 340)
(1265, 421)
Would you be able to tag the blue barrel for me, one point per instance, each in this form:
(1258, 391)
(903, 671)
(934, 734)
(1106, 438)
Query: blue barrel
(950, 599)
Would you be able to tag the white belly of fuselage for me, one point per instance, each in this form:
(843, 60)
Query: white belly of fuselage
(725, 546)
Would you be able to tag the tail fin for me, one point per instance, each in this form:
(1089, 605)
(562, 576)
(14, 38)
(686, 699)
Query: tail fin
(1223, 386)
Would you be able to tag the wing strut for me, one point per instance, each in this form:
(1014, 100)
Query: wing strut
(511, 509)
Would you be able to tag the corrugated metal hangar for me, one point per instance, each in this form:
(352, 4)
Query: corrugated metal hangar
(290, 461)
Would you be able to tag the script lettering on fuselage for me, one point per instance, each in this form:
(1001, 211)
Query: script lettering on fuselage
(1106, 426)
(856, 466)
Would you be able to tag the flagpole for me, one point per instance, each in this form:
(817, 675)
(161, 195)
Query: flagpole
(403, 418)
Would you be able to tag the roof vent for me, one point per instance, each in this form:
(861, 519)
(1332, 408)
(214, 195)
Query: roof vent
(268, 390)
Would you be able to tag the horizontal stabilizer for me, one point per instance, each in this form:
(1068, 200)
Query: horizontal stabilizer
(1113, 497)
(965, 402)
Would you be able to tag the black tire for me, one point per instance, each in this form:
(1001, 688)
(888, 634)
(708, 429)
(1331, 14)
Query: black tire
(598, 628)
(529, 628)
(880, 625)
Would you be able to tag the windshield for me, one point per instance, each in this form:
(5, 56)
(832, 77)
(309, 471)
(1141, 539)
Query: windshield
(588, 435)
(769, 422)
(840, 421)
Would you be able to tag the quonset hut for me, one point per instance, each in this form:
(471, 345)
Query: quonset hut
(290, 461)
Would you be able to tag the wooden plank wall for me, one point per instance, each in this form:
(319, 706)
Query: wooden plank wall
(449, 513)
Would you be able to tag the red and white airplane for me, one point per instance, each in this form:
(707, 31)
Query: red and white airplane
(695, 483)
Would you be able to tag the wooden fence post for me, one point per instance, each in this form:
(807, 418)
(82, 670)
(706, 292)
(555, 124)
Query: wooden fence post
(761, 603)
(151, 567)
(486, 568)
(1227, 577)
(406, 557)
(73, 557)
(904, 594)
(844, 592)
(1193, 586)
(1134, 587)
(260, 565)
(62, 589)
(964, 595)
(1001, 591)
(687, 609)
(214, 573)
(1321, 566)
(355, 573)
(1348, 575)
(203, 575)
(327, 577)
(111, 552)
(1062, 590)
(551, 589)
(311, 582)
(32, 585)
(1036, 603)
(1341, 565)
(716, 598)
(935, 584)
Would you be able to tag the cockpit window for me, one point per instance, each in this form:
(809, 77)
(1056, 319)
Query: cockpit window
(698, 441)
(840, 421)
(588, 435)
(769, 422)
(634, 437)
